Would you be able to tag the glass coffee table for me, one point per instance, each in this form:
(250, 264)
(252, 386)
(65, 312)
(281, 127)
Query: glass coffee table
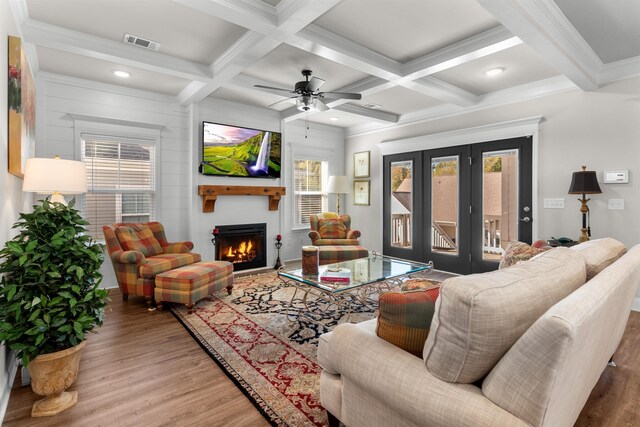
(349, 282)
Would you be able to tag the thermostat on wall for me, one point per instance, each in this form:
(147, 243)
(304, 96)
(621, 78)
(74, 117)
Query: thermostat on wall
(616, 177)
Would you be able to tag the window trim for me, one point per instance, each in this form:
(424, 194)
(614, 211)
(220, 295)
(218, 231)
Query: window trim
(323, 193)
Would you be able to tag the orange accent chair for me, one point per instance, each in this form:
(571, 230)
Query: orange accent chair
(331, 229)
(138, 256)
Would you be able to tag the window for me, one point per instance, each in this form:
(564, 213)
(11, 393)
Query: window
(310, 178)
(120, 181)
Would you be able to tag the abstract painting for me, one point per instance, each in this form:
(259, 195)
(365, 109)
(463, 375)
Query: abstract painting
(22, 109)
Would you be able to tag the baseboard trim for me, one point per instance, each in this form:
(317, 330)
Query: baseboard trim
(636, 305)
(12, 368)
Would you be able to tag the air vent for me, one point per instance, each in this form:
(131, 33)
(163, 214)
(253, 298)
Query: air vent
(140, 42)
(371, 106)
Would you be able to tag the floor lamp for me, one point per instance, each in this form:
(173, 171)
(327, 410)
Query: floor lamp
(585, 182)
(337, 185)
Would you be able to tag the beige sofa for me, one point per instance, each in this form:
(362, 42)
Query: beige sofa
(522, 346)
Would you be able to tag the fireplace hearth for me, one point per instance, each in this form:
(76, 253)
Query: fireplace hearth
(243, 245)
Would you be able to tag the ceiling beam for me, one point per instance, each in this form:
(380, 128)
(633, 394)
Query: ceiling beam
(544, 28)
(444, 91)
(253, 15)
(78, 43)
(292, 17)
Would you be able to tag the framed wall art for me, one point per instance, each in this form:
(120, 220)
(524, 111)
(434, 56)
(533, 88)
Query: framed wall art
(361, 193)
(361, 164)
(22, 109)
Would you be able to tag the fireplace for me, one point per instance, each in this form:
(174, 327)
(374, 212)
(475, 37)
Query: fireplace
(242, 245)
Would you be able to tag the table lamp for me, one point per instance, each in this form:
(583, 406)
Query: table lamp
(56, 177)
(337, 185)
(585, 182)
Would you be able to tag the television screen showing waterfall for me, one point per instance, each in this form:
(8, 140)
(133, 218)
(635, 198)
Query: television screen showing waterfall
(235, 151)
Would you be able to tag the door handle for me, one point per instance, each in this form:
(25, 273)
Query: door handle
(525, 219)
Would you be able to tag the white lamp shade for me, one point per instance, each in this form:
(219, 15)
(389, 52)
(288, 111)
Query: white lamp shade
(48, 176)
(338, 184)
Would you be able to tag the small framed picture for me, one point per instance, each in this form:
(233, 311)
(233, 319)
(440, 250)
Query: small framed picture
(361, 164)
(361, 193)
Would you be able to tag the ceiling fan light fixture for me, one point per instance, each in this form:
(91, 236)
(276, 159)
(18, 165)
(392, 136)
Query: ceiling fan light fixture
(494, 71)
(306, 103)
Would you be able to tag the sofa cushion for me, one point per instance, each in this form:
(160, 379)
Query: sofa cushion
(419, 284)
(164, 262)
(478, 317)
(332, 229)
(519, 251)
(404, 318)
(141, 239)
(598, 254)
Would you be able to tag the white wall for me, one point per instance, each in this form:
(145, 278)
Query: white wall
(600, 129)
(67, 105)
(322, 141)
(13, 199)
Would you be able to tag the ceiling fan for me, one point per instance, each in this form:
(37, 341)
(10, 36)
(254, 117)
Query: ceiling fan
(307, 94)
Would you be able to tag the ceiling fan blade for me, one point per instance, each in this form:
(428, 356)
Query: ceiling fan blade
(321, 106)
(314, 84)
(276, 90)
(340, 95)
(282, 100)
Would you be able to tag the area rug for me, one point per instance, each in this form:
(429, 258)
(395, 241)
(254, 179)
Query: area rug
(272, 359)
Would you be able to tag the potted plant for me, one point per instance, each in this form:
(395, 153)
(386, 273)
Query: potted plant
(50, 298)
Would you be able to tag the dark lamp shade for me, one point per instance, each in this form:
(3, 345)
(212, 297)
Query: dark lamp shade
(584, 182)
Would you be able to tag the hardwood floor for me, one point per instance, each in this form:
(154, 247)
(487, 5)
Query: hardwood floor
(143, 368)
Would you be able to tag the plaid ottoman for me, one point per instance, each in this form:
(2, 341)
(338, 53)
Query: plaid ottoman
(191, 283)
(335, 253)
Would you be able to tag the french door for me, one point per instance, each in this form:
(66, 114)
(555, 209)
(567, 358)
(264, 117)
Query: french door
(458, 206)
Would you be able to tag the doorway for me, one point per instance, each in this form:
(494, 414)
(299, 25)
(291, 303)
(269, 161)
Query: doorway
(459, 206)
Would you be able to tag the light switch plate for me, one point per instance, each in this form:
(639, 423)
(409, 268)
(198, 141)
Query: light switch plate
(616, 204)
(554, 203)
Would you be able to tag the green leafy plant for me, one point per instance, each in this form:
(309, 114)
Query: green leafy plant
(50, 295)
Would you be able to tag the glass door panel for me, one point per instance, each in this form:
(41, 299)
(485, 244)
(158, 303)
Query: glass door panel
(444, 204)
(401, 196)
(499, 202)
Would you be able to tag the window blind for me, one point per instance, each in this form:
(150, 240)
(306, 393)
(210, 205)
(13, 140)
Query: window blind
(309, 179)
(120, 181)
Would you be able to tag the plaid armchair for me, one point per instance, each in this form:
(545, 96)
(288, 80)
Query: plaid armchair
(328, 228)
(139, 252)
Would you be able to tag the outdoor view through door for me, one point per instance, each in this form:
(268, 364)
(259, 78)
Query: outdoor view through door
(460, 206)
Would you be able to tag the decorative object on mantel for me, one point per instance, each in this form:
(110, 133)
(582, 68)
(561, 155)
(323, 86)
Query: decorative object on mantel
(278, 246)
(337, 185)
(361, 164)
(585, 182)
(210, 193)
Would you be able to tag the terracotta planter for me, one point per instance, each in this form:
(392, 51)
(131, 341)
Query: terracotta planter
(51, 375)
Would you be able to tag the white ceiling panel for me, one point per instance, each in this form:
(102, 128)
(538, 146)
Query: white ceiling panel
(252, 97)
(612, 28)
(69, 64)
(407, 29)
(521, 65)
(182, 31)
(399, 100)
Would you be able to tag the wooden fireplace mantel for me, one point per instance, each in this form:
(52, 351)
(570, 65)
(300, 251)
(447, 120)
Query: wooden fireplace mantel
(210, 194)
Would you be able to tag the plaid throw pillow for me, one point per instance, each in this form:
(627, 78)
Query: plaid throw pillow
(141, 240)
(332, 229)
(519, 251)
(404, 318)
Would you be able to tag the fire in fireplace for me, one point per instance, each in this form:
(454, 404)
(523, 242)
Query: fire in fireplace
(243, 245)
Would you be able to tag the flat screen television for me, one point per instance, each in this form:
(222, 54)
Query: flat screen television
(236, 151)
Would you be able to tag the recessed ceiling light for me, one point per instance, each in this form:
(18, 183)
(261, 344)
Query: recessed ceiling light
(494, 71)
(121, 73)
(334, 119)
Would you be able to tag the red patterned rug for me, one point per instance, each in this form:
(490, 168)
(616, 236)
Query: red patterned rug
(270, 358)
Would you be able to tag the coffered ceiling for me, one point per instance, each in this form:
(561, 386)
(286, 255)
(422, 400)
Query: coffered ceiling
(410, 59)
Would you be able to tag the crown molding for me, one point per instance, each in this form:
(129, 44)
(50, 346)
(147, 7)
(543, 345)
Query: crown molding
(620, 70)
(502, 130)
